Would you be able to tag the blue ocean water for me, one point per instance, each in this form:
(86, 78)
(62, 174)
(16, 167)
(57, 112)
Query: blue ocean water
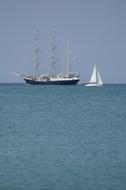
(62, 137)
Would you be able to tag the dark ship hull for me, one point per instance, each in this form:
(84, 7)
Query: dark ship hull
(54, 82)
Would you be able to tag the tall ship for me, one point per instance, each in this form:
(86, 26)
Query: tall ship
(66, 78)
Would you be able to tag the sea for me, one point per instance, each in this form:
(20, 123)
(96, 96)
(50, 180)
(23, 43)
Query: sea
(62, 137)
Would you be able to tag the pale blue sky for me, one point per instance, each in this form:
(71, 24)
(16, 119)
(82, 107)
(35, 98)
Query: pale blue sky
(96, 30)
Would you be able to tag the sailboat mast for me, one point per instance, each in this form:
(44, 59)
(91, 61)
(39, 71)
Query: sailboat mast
(68, 57)
(97, 77)
(99, 80)
(53, 52)
(36, 55)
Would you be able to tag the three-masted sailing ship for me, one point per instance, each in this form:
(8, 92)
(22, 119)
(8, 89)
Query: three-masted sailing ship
(66, 78)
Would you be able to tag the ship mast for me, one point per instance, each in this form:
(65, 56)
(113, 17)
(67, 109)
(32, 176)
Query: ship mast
(68, 59)
(53, 52)
(36, 55)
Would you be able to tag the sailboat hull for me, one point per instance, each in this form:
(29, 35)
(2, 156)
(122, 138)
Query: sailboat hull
(94, 85)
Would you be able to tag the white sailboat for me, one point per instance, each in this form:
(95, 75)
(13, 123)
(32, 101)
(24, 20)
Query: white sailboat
(95, 78)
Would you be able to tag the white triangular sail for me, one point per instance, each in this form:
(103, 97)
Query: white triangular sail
(100, 82)
(95, 78)
(94, 75)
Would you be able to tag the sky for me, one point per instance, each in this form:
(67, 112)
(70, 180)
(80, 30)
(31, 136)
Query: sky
(96, 30)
